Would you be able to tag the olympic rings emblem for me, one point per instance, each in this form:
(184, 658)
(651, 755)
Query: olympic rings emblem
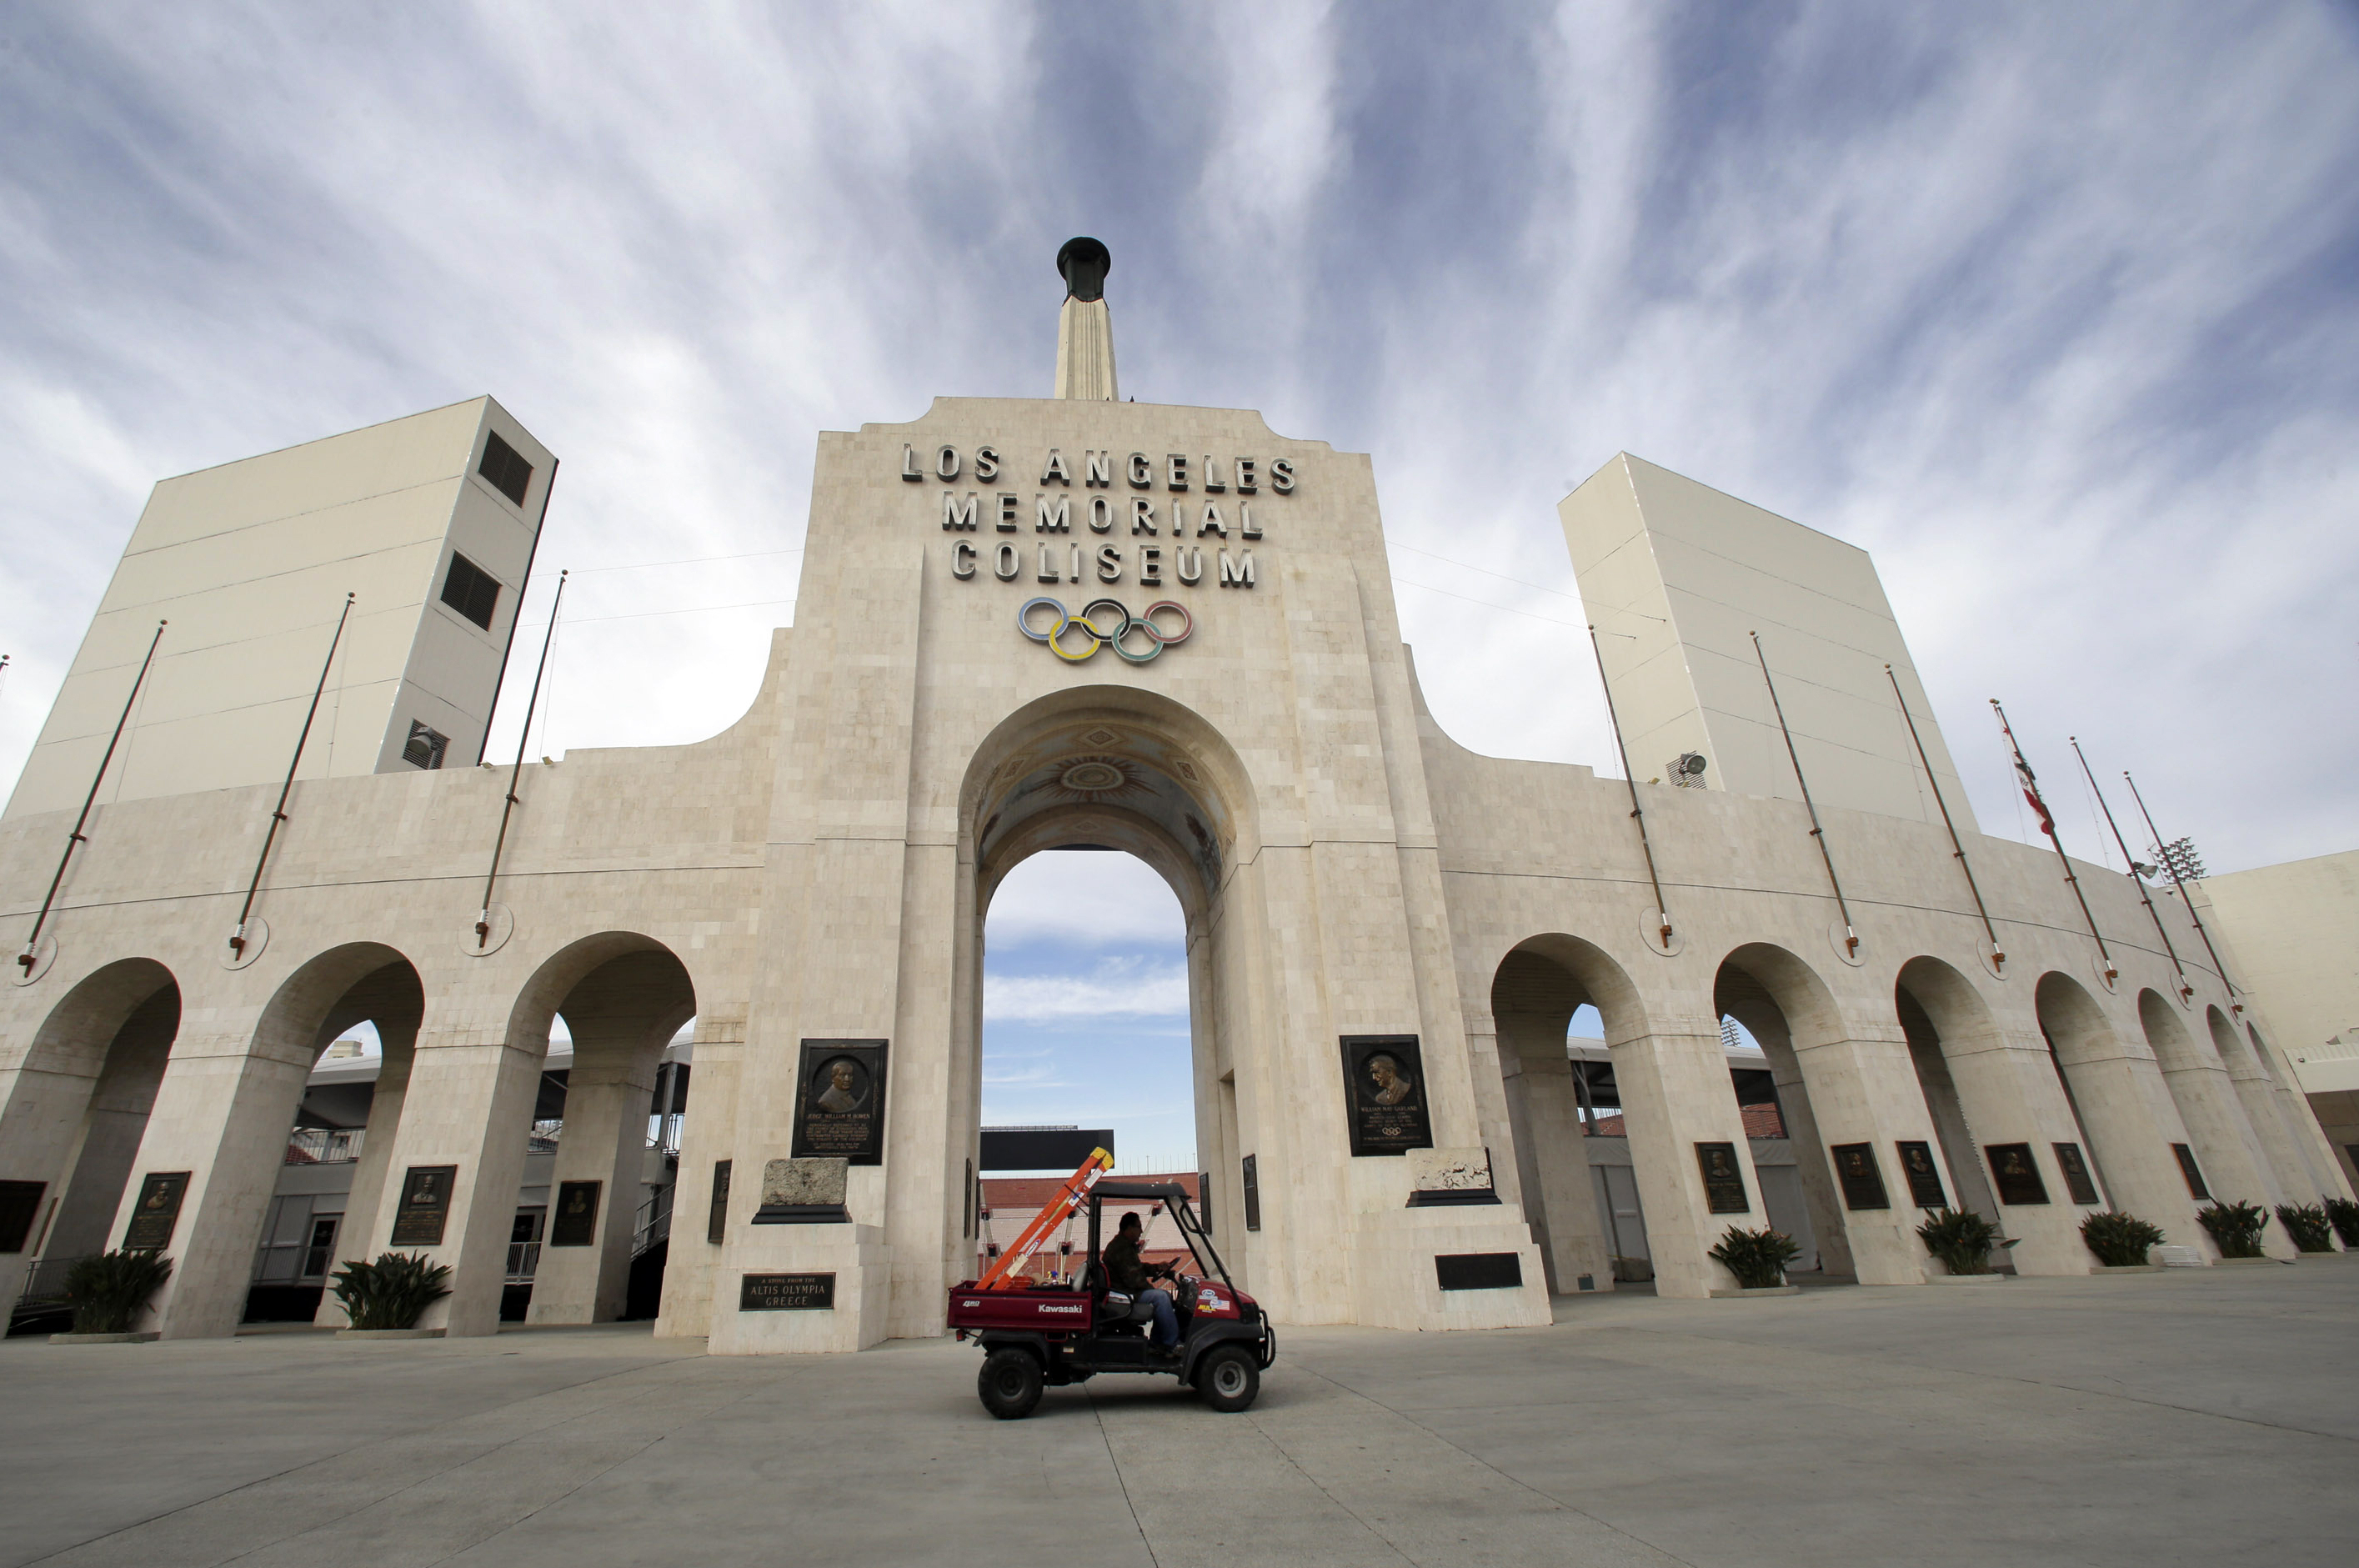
(1089, 631)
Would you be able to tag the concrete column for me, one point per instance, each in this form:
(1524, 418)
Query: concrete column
(1675, 1095)
(2008, 1093)
(398, 1044)
(2132, 1121)
(1560, 1196)
(606, 1100)
(2225, 1145)
(2294, 1107)
(114, 1122)
(705, 1138)
(2298, 1181)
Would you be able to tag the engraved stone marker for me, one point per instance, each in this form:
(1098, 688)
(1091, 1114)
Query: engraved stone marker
(1384, 1093)
(575, 1221)
(2017, 1176)
(1443, 1176)
(1723, 1178)
(786, 1294)
(157, 1213)
(803, 1192)
(1862, 1183)
(425, 1205)
(840, 1101)
(1925, 1189)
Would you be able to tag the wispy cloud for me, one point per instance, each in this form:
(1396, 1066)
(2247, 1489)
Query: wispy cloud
(1126, 989)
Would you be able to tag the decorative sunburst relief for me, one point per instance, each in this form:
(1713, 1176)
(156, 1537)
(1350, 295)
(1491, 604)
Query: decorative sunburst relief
(1099, 780)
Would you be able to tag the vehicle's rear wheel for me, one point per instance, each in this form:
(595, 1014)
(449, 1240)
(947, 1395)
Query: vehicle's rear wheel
(1010, 1384)
(1228, 1379)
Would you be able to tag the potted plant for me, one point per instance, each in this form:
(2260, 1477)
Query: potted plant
(2309, 1226)
(108, 1293)
(2343, 1214)
(2235, 1228)
(2120, 1240)
(1961, 1239)
(1757, 1258)
(391, 1293)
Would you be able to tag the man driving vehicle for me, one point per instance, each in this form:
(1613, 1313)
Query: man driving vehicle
(1127, 1272)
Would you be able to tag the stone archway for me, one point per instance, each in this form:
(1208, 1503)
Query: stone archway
(1784, 1007)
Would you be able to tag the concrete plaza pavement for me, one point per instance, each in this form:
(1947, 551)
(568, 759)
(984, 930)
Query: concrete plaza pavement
(2207, 1417)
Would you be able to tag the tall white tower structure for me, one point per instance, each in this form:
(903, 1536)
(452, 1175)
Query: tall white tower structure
(1085, 328)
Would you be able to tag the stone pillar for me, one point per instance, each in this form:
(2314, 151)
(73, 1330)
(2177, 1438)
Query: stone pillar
(2131, 1121)
(398, 1044)
(1857, 1090)
(2225, 1147)
(2307, 1134)
(705, 1139)
(2257, 1092)
(607, 1094)
(1675, 1095)
(1560, 1196)
(2008, 1093)
(113, 1125)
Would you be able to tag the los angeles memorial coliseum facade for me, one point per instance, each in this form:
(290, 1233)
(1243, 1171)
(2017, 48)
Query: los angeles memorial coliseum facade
(1026, 623)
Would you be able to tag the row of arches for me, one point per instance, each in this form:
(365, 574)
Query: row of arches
(117, 1084)
(1936, 1099)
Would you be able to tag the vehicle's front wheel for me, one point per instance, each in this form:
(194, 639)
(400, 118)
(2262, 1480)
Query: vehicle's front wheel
(1010, 1384)
(1228, 1379)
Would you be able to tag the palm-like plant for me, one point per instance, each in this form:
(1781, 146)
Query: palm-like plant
(1961, 1239)
(1757, 1258)
(2308, 1224)
(107, 1292)
(2235, 1228)
(391, 1292)
(2343, 1214)
(2120, 1240)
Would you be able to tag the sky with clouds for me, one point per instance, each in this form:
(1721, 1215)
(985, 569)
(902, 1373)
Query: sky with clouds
(2054, 310)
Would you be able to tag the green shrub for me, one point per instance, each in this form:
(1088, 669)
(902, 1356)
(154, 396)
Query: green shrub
(2344, 1215)
(2307, 1224)
(2120, 1240)
(391, 1292)
(108, 1291)
(1757, 1258)
(1961, 1239)
(2236, 1227)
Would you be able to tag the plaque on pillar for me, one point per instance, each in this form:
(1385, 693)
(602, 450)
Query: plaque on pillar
(1249, 1188)
(2192, 1172)
(157, 1213)
(1723, 1178)
(1862, 1178)
(716, 1220)
(1440, 1177)
(2076, 1173)
(1384, 1093)
(425, 1206)
(1925, 1188)
(2016, 1174)
(575, 1221)
(19, 1201)
(803, 1192)
(786, 1294)
(840, 1101)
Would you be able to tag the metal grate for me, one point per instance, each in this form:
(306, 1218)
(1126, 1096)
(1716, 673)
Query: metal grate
(472, 590)
(425, 748)
(505, 467)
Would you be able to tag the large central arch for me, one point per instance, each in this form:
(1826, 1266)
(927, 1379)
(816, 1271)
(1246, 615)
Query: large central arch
(1131, 770)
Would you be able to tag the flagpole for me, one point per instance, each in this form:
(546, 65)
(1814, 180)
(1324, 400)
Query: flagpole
(1851, 937)
(1956, 849)
(524, 736)
(2184, 988)
(2220, 968)
(278, 812)
(1662, 915)
(2047, 826)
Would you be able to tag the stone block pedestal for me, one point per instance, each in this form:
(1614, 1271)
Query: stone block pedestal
(854, 1255)
(1396, 1284)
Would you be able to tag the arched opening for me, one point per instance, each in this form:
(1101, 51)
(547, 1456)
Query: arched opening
(74, 1124)
(1939, 1013)
(2079, 1042)
(1777, 1003)
(589, 1232)
(2220, 1158)
(1574, 1157)
(1066, 780)
(2334, 1157)
(2248, 1074)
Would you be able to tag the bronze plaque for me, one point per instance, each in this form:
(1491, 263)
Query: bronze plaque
(2076, 1173)
(19, 1201)
(574, 1221)
(157, 1213)
(716, 1221)
(425, 1205)
(1384, 1093)
(1862, 1180)
(1924, 1174)
(786, 1294)
(2016, 1174)
(1249, 1186)
(2192, 1172)
(1723, 1178)
(840, 1101)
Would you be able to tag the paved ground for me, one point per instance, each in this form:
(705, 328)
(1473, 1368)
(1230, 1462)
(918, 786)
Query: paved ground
(2208, 1418)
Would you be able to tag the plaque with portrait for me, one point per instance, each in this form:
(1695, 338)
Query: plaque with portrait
(2016, 1174)
(840, 1101)
(574, 1221)
(2191, 1171)
(1916, 1163)
(716, 1218)
(2077, 1180)
(1249, 1185)
(1384, 1093)
(157, 1215)
(1862, 1180)
(425, 1205)
(1723, 1178)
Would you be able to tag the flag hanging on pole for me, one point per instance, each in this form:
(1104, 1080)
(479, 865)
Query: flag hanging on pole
(2023, 775)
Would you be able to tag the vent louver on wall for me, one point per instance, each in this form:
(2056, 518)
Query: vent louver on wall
(472, 590)
(505, 467)
(425, 747)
